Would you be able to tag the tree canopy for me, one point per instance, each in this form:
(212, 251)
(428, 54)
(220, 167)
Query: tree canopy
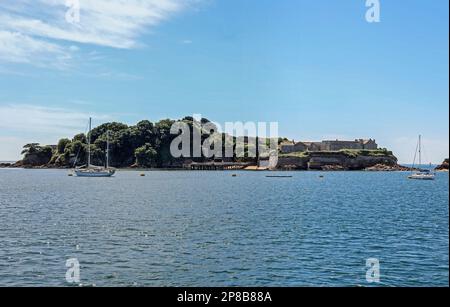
(145, 144)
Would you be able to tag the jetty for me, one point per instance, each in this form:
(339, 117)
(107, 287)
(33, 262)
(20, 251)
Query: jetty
(216, 166)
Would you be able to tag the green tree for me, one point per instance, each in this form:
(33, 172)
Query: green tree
(62, 144)
(78, 150)
(36, 155)
(101, 130)
(30, 148)
(81, 137)
(145, 156)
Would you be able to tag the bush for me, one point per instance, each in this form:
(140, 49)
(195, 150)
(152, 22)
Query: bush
(62, 144)
(145, 156)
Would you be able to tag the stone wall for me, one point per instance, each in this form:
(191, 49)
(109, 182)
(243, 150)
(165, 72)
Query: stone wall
(290, 148)
(339, 145)
(370, 145)
(326, 160)
(297, 163)
(319, 161)
(335, 145)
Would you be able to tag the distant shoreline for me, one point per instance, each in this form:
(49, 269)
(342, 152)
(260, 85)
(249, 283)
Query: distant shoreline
(130, 169)
(290, 163)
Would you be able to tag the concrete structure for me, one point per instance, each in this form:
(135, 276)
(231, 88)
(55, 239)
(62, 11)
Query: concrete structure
(369, 144)
(336, 145)
(215, 166)
(270, 162)
(288, 147)
(356, 144)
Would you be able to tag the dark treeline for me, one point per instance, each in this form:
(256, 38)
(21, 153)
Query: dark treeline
(145, 144)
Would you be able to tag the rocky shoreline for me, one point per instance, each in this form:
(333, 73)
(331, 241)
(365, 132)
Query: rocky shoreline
(147, 146)
(381, 160)
(444, 167)
(389, 168)
(346, 160)
(335, 168)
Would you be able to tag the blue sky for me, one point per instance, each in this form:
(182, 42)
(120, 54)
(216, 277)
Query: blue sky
(316, 67)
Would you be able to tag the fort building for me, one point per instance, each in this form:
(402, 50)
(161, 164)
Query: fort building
(328, 145)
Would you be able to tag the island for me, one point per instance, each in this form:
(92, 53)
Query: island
(444, 166)
(146, 145)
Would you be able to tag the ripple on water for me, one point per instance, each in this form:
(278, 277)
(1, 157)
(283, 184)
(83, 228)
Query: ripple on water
(209, 229)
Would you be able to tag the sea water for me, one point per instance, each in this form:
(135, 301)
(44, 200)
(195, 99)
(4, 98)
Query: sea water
(212, 229)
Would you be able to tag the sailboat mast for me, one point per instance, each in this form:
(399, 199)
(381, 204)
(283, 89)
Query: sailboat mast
(89, 142)
(420, 150)
(107, 149)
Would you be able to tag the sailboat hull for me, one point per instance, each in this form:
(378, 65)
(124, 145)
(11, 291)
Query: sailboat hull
(421, 174)
(94, 173)
(422, 177)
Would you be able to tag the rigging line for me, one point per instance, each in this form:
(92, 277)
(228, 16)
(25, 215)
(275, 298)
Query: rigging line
(79, 149)
(425, 153)
(415, 155)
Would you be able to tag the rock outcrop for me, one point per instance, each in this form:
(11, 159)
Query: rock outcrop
(444, 166)
(334, 167)
(293, 163)
(389, 168)
(340, 160)
(34, 160)
(319, 160)
(35, 155)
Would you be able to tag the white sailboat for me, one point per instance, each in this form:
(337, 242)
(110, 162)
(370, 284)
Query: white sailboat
(421, 174)
(92, 170)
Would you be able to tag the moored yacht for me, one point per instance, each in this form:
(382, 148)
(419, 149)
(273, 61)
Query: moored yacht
(421, 174)
(92, 170)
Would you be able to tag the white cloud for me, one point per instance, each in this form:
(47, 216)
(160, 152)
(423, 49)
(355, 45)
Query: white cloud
(42, 25)
(44, 120)
(21, 124)
(18, 48)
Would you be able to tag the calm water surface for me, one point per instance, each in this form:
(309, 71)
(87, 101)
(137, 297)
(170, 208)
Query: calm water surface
(212, 229)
